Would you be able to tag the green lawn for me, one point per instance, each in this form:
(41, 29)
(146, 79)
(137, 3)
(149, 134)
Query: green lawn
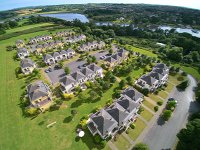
(18, 29)
(26, 133)
(146, 115)
(163, 94)
(154, 97)
(134, 133)
(190, 70)
(142, 51)
(149, 105)
(121, 143)
(169, 87)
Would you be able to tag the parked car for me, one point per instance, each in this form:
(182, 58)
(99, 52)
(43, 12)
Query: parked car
(57, 67)
(172, 99)
(102, 57)
(47, 71)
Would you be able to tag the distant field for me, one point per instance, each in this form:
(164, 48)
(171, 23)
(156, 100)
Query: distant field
(27, 27)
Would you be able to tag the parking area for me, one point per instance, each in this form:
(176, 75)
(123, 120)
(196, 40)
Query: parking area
(74, 65)
(55, 74)
(98, 55)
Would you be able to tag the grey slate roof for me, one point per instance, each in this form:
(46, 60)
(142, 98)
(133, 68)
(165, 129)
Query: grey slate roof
(56, 54)
(37, 89)
(77, 75)
(127, 104)
(67, 80)
(161, 66)
(47, 56)
(26, 63)
(156, 75)
(86, 71)
(63, 52)
(160, 71)
(148, 79)
(110, 59)
(118, 114)
(103, 121)
(132, 94)
(22, 50)
(94, 67)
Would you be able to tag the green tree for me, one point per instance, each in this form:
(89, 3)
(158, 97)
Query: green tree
(167, 114)
(183, 85)
(189, 137)
(67, 70)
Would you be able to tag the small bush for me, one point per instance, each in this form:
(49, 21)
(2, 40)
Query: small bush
(156, 108)
(160, 103)
(68, 96)
(141, 109)
(132, 126)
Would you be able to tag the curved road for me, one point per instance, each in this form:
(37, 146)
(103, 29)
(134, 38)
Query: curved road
(163, 135)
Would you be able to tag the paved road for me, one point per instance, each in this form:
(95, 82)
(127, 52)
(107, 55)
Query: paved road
(163, 135)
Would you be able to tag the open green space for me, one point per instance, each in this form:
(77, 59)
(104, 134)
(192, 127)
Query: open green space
(121, 142)
(169, 87)
(163, 94)
(155, 98)
(31, 133)
(147, 115)
(18, 29)
(141, 51)
(149, 105)
(190, 70)
(139, 127)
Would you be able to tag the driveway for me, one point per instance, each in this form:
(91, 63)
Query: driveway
(73, 66)
(99, 54)
(163, 135)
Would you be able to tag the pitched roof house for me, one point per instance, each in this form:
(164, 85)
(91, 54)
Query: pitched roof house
(40, 95)
(119, 115)
(22, 53)
(27, 66)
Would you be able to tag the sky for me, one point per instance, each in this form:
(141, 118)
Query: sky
(10, 4)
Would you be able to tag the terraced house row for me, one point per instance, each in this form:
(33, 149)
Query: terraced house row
(78, 78)
(65, 33)
(91, 46)
(118, 116)
(116, 58)
(156, 78)
(40, 39)
(74, 39)
(50, 59)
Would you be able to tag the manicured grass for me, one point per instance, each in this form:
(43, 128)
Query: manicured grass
(190, 70)
(141, 51)
(163, 94)
(149, 105)
(173, 79)
(27, 27)
(154, 97)
(121, 142)
(147, 115)
(25, 133)
(134, 133)
(169, 87)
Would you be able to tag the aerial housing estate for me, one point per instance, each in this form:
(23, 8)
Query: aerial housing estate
(110, 120)
(156, 78)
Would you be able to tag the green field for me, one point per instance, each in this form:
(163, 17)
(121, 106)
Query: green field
(20, 133)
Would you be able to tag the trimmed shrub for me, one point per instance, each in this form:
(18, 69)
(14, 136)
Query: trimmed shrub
(156, 108)
(160, 103)
(132, 126)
